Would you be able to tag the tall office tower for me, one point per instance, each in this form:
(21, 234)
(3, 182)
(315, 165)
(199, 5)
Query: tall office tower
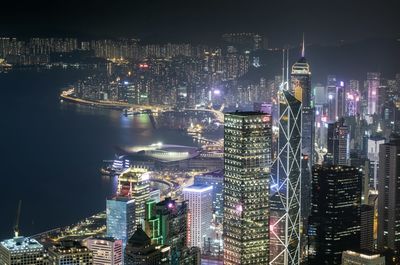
(353, 98)
(341, 100)
(367, 227)
(320, 94)
(167, 224)
(22, 251)
(134, 184)
(331, 90)
(247, 151)
(301, 88)
(334, 224)
(214, 179)
(373, 82)
(388, 196)
(120, 218)
(360, 258)
(285, 219)
(338, 143)
(199, 199)
(70, 252)
(106, 250)
(374, 142)
(140, 250)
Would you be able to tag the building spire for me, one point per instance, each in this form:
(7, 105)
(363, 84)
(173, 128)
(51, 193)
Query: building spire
(303, 48)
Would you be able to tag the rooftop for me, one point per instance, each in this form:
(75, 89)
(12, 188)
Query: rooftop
(198, 188)
(21, 244)
(246, 113)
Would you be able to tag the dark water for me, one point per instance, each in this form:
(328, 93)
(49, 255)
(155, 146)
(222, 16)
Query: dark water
(51, 152)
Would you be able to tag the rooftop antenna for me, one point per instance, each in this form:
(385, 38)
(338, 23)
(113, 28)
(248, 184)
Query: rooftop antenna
(287, 69)
(16, 227)
(303, 48)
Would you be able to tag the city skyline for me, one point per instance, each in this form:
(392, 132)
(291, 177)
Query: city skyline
(155, 19)
(176, 133)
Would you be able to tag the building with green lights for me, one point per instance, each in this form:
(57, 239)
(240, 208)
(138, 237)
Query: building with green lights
(166, 224)
(247, 164)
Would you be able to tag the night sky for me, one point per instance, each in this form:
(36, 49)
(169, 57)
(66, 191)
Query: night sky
(168, 20)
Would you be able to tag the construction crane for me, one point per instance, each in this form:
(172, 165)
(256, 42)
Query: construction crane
(16, 227)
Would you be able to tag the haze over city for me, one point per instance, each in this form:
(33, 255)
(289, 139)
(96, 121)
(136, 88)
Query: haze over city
(200, 132)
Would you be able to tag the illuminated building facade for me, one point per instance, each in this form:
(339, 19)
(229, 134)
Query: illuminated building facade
(388, 196)
(360, 258)
(301, 89)
(22, 251)
(373, 82)
(332, 98)
(374, 142)
(247, 150)
(286, 191)
(167, 224)
(199, 201)
(335, 220)
(120, 218)
(214, 179)
(106, 250)
(134, 183)
(70, 252)
(367, 227)
(338, 143)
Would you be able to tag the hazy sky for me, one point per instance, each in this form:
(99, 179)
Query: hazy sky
(281, 21)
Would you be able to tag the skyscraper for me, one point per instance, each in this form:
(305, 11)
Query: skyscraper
(338, 143)
(106, 250)
(367, 227)
(332, 98)
(301, 89)
(199, 201)
(388, 196)
(286, 190)
(374, 142)
(335, 221)
(214, 179)
(120, 218)
(247, 151)
(22, 251)
(373, 82)
(134, 183)
(167, 224)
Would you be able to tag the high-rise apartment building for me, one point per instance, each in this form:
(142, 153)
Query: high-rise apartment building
(247, 151)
